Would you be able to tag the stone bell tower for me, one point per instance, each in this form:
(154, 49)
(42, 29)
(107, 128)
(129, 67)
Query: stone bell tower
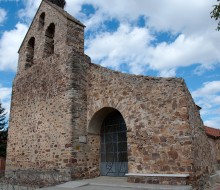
(48, 93)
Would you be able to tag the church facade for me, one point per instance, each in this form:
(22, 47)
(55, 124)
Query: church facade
(72, 115)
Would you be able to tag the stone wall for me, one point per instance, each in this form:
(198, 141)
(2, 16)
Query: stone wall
(215, 150)
(46, 96)
(204, 161)
(79, 64)
(159, 180)
(165, 130)
(159, 138)
(40, 120)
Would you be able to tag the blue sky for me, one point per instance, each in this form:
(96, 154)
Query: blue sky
(168, 38)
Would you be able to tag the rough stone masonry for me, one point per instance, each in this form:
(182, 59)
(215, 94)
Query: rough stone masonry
(61, 100)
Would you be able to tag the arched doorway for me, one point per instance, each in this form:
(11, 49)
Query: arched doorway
(114, 159)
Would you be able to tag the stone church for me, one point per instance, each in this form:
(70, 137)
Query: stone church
(73, 115)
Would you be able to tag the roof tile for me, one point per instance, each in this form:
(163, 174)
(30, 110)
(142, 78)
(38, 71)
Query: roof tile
(212, 131)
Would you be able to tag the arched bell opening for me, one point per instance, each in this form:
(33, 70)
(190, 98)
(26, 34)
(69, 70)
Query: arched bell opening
(30, 53)
(49, 40)
(41, 21)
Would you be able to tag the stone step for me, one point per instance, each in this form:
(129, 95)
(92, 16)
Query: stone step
(113, 183)
(215, 178)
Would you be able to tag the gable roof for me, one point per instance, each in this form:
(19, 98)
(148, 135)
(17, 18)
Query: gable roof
(64, 13)
(212, 132)
(60, 10)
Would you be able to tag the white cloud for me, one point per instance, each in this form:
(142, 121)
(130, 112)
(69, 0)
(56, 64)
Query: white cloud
(133, 48)
(31, 6)
(168, 73)
(5, 97)
(28, 12)
(217, 100)
(209, 88)
(215, 123)
(181, 16)
(126, 45)
(208, 97)
(74, 7)
(10, 42)
(3, 15)
(186, 51)
(196, 44)
(166, 15)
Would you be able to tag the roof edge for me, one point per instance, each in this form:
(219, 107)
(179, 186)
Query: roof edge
(64, 13)
(212, 132)
(30, 26)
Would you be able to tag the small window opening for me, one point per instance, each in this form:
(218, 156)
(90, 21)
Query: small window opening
(49, 40)
(30, 52)
(41, 20)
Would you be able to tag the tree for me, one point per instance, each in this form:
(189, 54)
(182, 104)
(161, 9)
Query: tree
(3, 142)
(3, 121)
(3, 131)
(216, 14)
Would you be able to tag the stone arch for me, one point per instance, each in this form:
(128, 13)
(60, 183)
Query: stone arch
(97, 119)
(41, 20)
(49, 40)
(30, 52)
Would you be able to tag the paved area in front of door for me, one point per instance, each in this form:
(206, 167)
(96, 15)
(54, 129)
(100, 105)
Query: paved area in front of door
(112, 183)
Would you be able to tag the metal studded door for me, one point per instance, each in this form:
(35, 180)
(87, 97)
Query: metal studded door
(114, 159)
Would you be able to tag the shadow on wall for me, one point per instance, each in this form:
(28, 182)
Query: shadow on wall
(98, 118)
